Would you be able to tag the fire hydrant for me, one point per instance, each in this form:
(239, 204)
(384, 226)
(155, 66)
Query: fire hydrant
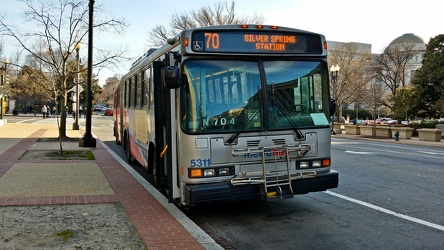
(397, 135)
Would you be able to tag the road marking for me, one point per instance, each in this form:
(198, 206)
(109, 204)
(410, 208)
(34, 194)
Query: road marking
(417, 153)
(32, 120)
(431, 153)
(359, 153)
(390, 212)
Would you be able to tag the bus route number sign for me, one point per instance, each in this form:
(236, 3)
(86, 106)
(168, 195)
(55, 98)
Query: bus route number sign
(255, 42)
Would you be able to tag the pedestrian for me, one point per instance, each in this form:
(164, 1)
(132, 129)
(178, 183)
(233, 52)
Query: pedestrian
(54, 111)
(44, 111)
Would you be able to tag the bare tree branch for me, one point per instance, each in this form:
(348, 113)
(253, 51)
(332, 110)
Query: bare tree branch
(220, 13)
(56, 26)
(350, 85)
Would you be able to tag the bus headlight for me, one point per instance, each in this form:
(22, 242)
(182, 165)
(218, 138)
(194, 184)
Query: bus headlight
(224, 171)
(313, 164)
(317, 164)
(304, 164)
(209, 172)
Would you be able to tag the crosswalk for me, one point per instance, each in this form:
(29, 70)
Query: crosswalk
(38, 120)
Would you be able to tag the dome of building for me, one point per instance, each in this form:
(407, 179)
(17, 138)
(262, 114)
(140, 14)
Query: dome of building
(408, 38)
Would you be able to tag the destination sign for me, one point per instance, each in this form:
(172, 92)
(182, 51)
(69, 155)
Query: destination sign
(246, 41)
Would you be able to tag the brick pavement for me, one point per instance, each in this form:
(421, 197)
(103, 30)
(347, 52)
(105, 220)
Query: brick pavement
(155, 224)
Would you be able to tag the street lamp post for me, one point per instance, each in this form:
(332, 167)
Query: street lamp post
(334, 70)
(2, 84)
(88, 140)
(75, 125)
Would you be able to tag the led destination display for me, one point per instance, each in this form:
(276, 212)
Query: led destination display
(256, 42)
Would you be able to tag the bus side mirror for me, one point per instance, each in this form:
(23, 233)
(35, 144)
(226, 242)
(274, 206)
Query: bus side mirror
(332, 106)
(171, 77)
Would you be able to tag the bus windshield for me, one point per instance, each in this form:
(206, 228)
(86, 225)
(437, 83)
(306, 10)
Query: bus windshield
(228, 96)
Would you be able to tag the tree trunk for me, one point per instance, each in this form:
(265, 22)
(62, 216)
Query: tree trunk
(339, 118)
(63, 116)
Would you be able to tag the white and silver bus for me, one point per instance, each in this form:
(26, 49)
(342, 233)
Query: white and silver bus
(230, 113)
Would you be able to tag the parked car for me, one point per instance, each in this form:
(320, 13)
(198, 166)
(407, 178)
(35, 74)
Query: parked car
(381, 121)
(335, 119)
(99, 108)
(108, 111)
(405, 122)
(359, 122)
(386, 121)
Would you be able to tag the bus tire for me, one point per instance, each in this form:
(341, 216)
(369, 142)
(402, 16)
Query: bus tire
(152, 167)
(129, 157)
(118, 142)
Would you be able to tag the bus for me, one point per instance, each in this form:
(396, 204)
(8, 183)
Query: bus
(230, 113)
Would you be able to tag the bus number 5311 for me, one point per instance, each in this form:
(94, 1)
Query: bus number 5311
(212, 40)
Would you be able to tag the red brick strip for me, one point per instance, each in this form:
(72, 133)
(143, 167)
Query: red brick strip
(57, 200)
(10, 156)
(157, 227)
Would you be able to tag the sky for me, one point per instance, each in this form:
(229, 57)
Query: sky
(375, 22)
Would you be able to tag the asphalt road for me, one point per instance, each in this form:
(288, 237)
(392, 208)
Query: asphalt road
(390, 196)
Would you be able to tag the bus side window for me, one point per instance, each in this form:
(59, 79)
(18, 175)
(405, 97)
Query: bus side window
(146, 89)
(143, 89)
(130, 93)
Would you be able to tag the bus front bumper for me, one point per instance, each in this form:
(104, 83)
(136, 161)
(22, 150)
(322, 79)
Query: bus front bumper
(213, 193)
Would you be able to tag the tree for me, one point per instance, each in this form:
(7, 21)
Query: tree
(107, 94)
(390, 67)
(429, 80)
(351, 82)
(30, 83)
(220, 13)
(55, 28)
(404, 103)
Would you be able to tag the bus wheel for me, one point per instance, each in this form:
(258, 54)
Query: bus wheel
(115, 135)
(152, 167)
(128, 155)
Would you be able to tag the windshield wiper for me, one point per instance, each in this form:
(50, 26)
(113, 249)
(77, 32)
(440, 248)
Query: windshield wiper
(250, 118)
(299, 134)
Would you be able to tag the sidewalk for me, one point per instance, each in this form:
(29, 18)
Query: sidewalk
(27, 182)
(414, 141)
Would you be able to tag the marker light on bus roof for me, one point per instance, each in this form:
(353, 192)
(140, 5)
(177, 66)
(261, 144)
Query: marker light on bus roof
(259, 26)
(186, 42)
(274, 27)
(325, 45)
(243, 26)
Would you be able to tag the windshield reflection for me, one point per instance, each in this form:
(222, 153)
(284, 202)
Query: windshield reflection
(226, 96)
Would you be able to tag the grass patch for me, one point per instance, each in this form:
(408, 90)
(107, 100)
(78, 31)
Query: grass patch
(55, 155)
(70, 154)
(90, 155)
(66, 234)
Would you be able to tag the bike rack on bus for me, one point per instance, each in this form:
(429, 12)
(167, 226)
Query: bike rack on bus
(279, 181)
